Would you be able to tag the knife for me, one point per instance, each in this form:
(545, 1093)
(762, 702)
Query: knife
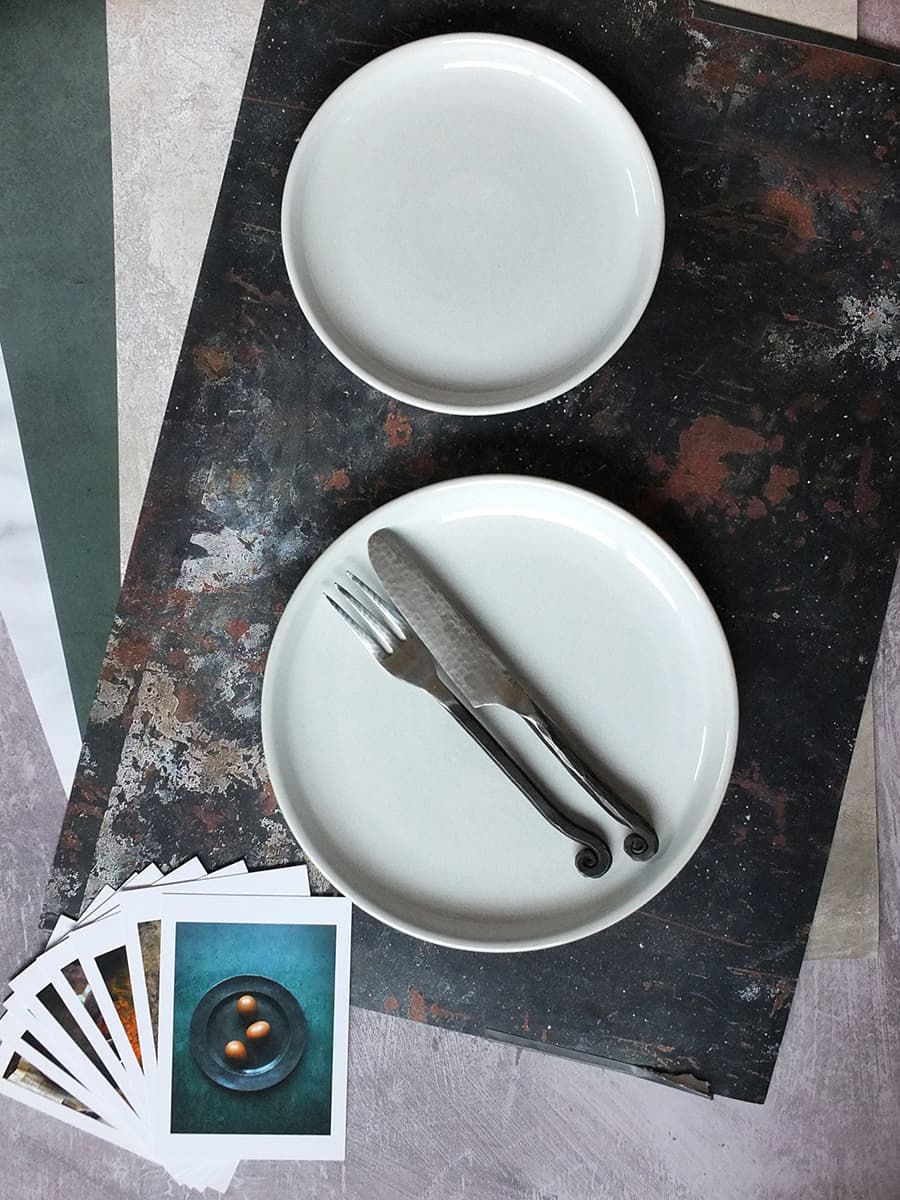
(481, 678)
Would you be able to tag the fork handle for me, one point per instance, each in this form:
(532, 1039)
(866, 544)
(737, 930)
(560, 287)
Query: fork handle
(641, 842)
(594, 858)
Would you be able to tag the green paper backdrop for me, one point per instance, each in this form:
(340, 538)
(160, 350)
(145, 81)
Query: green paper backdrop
(57, 306)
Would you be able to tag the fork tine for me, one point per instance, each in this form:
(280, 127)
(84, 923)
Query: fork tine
(379, 630)
(375, 648)
(388, 610)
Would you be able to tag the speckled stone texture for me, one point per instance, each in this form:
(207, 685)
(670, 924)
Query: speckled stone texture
(172, 116)
(744, 420)
(34, 802)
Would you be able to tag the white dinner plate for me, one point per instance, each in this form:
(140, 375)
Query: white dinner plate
(407, 815)
(472, 223)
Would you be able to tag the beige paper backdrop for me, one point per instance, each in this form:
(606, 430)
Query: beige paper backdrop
(832, 16)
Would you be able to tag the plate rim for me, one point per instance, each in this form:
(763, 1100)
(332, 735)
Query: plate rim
(540, 395)
(731, 725)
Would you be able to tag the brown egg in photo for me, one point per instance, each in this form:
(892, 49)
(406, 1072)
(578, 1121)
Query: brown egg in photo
(236, 1052)
(246, 1006)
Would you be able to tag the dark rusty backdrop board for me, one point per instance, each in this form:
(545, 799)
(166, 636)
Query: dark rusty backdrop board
(747, 420)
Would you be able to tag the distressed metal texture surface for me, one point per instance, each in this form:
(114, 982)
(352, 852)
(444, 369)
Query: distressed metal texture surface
(746, 420)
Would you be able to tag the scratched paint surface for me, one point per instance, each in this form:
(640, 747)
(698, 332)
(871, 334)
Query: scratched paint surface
(747, 420)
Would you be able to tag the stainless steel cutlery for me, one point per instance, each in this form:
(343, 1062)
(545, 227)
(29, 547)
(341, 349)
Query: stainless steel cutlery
(392, 642)
(480, 678)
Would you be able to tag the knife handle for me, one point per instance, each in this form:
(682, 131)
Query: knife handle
(594, 857)
(641, 842)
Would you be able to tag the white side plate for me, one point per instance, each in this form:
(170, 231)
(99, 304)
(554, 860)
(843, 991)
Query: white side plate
(472, 223)
(407, 815)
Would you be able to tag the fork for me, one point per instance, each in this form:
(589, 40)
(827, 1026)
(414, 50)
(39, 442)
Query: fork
(393, 643)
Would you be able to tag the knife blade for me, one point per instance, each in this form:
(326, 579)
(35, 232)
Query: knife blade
(480, 676)
(465, 657)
